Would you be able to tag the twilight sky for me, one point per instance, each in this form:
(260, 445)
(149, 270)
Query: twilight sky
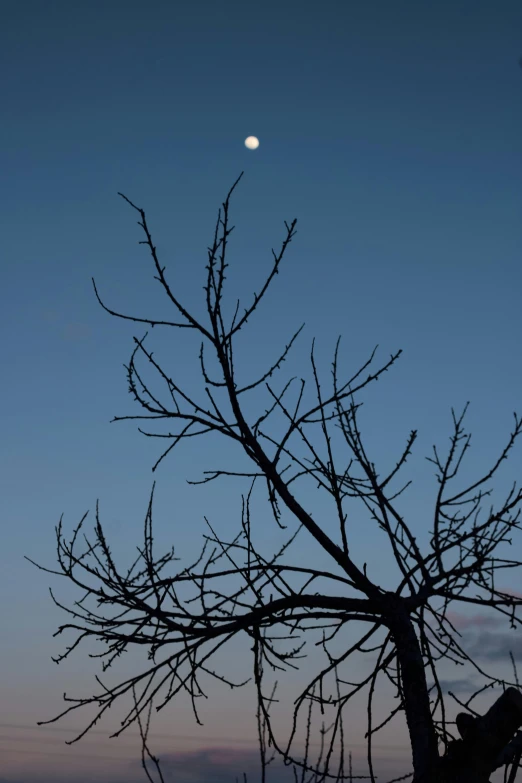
(392, 132)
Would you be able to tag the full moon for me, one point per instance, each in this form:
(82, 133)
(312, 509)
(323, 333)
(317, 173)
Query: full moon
(252, 143)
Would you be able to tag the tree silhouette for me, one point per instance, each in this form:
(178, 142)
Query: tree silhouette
(183, 618)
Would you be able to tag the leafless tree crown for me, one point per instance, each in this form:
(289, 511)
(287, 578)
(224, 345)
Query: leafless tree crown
(183, 618)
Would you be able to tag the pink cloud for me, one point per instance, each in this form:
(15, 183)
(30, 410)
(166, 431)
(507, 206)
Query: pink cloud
(465, 621)
(508, 591)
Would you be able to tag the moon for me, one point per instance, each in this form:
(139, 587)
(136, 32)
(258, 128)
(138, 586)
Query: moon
(252, 142)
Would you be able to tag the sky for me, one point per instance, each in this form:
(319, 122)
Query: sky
(391, 131)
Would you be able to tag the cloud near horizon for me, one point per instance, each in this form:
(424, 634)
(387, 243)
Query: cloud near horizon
(497, 646)
(463, 685)
(217, 764)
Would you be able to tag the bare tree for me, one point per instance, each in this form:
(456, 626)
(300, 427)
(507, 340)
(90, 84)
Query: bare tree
(182, 619)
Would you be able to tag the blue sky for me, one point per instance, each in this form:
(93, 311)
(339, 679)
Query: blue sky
(390, 130)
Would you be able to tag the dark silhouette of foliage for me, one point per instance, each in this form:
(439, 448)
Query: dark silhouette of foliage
(182, 619)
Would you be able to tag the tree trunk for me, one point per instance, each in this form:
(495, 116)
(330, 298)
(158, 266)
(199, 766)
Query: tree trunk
(485, 744)
(423, 738)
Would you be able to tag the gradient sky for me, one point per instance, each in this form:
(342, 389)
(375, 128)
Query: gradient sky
(392, 132)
